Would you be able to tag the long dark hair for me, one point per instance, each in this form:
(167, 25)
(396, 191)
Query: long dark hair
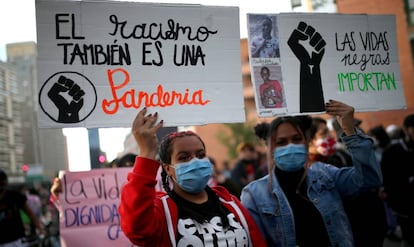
(316, 121)
(165, 152)
(265, 130)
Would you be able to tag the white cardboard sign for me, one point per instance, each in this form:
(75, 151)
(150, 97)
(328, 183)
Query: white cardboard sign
(311, 58)
(100, 62)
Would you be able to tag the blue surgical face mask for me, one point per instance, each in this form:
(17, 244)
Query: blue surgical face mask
(291, 157)
(193, 176)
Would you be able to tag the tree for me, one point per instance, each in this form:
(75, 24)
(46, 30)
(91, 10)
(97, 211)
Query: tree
(239, 132)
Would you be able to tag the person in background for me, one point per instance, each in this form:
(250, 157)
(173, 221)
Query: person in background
(397, 165)
(55, 211)
(322, 144)
(219, 178)
(366, 210)
(127, 160)
(55, 189)
(114, 163)
(395, 133)
(244, 170)
(381, 140)
(261, 169)
(301, 205)
(11, 225)
(33, 200)
(189, 214)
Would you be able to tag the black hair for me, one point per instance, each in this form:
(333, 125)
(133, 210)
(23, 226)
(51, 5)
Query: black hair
(409, 121)
(268, 20)
(3, 175)
(165, 148)
(313, 128)
(261, 130)
(379, 133)
(264, 68)
(212, 161)
(165, 152)
(265, 130)
(127, 160)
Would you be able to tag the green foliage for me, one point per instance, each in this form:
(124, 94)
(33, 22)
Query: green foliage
(239, 132)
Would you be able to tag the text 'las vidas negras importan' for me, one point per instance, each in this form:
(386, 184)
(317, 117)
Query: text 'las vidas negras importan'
(137, 99)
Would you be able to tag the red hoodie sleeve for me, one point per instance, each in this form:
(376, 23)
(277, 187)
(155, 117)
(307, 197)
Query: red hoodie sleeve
(141, 212)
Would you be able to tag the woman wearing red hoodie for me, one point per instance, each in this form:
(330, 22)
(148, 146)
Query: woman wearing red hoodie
(189, 214)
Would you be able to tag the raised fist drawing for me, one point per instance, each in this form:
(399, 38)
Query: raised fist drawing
(68, 109)
(311, 91)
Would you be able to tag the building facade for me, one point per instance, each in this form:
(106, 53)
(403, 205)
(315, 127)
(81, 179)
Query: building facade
(44, 150)
(11, 138)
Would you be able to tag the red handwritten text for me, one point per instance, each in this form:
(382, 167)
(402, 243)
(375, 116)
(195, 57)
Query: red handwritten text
(133, 99)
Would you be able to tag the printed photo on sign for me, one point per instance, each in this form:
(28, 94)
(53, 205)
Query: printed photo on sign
(263, 39)
(269, 87)
(265, 66)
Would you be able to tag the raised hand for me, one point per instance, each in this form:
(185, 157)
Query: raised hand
(144, 129)
(56, 187)
(344, 115)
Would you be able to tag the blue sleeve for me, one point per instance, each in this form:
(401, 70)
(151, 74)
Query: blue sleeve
(248, 201)
(365, 172)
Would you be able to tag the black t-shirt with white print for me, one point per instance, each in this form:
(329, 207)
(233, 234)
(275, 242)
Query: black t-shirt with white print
(191, 233)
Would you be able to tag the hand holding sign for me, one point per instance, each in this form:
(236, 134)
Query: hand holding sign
(344, 114)
(144, 129)
(352, 58)
(68, 110)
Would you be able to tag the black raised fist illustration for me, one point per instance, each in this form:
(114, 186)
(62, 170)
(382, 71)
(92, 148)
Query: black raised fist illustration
(311, 92)
(68, 109)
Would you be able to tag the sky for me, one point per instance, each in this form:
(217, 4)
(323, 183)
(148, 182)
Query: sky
(18, 24)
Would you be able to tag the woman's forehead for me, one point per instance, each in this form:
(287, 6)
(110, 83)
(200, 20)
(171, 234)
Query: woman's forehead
(186, 144)
(286, 129)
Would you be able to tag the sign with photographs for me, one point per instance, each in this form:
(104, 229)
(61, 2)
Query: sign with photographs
(300, 61)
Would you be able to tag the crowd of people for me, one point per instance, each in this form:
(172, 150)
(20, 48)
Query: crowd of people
(320, 183)
(322, 188)
(27, 218)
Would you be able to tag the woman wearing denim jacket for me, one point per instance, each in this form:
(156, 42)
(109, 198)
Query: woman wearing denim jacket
(299, 206)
